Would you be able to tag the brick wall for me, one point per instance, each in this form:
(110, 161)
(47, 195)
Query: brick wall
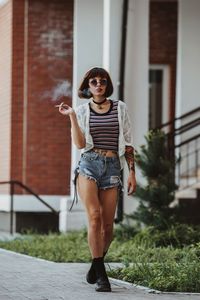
(163, 40)
(5, 92)
(42, 136)
(17, 90)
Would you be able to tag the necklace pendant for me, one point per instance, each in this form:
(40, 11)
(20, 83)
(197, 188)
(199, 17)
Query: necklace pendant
(100, 107)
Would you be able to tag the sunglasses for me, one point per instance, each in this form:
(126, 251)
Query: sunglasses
(102, 82)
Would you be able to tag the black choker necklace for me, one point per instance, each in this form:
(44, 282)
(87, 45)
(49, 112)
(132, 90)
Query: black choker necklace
(99, 103)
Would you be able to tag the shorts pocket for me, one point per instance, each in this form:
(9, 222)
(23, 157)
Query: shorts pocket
(117, 164)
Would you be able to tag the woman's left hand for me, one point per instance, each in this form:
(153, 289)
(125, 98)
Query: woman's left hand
(131, 183)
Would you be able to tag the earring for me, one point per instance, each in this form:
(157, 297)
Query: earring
(86, 93)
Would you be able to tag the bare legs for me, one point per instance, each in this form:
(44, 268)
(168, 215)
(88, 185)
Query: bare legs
(108, 201)
(100, 207)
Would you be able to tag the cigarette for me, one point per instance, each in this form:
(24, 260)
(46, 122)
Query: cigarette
(61, 105)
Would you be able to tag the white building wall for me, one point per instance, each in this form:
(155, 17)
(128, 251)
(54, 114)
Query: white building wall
(97, 42)
(112, 25)
(136, 81)
(88, 49)
(188, 64)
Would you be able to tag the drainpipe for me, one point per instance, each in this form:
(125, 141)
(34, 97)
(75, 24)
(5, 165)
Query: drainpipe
(123, 50)
(119, 216)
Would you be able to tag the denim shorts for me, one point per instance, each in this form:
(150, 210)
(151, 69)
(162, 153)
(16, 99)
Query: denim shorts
(105, 171)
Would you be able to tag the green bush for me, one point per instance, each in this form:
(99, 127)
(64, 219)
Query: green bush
(71, 247)
(157, 194)
(178, 235)
(166, 276)
(125, 231)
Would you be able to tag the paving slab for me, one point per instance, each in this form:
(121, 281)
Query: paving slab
(27, 278)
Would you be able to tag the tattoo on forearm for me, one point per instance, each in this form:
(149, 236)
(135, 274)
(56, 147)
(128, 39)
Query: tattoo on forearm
(130, 159)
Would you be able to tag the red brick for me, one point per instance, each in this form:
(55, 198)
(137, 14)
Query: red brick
(163, 41)
(50, 61)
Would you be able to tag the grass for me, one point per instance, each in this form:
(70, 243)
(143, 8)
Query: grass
(166, 276)
(70, 247)
(166, 268)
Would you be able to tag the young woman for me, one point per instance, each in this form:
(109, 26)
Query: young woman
(102, 129)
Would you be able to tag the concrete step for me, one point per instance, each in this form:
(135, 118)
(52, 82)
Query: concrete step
(187, 182)
(189, 193)
(186, 193)
(75, 219)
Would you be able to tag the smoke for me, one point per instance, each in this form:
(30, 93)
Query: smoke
(2, 2)
(62, 89)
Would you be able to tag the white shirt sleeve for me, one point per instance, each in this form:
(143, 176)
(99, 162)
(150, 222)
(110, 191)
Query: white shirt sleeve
(127, 128)
(80, 115)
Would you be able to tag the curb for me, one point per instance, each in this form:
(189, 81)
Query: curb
(132, 285)
(27, 256)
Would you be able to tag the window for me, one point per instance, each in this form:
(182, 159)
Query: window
(158, 95)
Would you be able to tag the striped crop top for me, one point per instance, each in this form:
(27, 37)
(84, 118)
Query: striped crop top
(104, 128)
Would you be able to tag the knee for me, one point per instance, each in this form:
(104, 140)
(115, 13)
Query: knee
(107, 230)
(95, 220)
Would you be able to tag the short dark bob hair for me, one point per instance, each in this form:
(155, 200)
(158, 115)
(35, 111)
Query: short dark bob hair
(83, 90)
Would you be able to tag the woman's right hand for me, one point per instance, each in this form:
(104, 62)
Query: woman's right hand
(77, 134)
(65, 109)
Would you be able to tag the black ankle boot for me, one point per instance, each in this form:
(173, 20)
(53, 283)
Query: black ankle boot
(91, 274)
(102, 282)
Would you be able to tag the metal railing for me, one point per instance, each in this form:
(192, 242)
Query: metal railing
(184, 116)
(183, 136)
(12, 184)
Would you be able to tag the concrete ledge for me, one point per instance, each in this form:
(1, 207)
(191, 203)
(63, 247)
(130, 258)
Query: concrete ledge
(29, 203)
(75, 219)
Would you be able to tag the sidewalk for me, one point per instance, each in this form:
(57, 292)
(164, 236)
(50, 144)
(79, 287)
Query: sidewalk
(24, 277)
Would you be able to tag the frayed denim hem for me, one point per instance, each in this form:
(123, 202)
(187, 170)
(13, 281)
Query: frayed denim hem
(116, 184)
(76, 173)
(109, 187)
(88, 176)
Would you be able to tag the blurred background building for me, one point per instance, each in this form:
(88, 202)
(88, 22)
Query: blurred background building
(151, 49)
